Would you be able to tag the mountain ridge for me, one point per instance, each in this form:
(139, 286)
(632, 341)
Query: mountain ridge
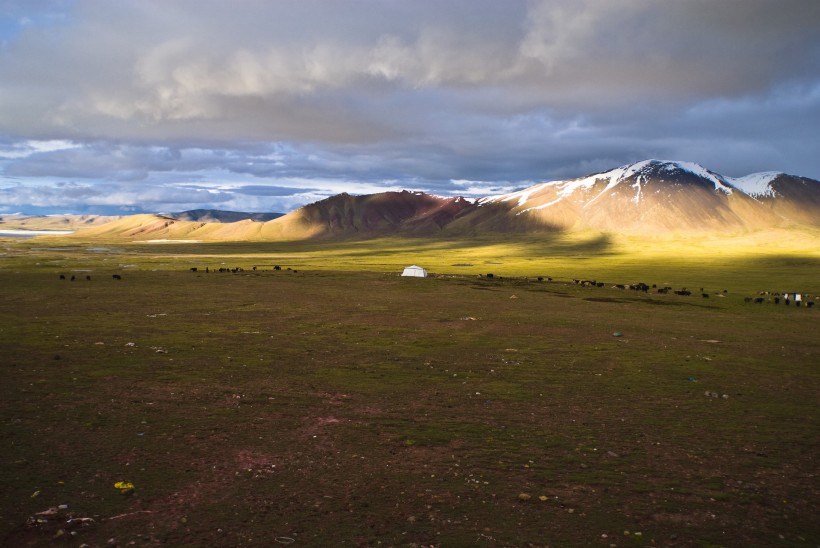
(647, 197)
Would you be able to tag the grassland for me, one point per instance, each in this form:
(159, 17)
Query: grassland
(339, 404)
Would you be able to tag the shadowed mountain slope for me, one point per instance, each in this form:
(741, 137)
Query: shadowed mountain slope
(219, 216)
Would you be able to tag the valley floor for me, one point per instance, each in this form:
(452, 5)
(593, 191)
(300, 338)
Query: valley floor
(322, 408)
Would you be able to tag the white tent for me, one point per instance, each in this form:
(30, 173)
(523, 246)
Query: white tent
(415, 271)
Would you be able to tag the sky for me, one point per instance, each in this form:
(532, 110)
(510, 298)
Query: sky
(129, 106)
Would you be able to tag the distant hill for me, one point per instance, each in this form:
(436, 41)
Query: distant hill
(651, 197)
(53, 222)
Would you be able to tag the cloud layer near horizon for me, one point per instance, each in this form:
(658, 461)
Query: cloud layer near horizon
(163, 105)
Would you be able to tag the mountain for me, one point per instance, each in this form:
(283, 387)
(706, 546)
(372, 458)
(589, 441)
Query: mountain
(649, 197)
(411, 213)
(219, 216)
(656, 195)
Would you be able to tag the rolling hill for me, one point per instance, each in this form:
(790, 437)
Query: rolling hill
(649, 197)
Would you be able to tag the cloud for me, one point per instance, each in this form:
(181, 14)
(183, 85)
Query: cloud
(416, 94)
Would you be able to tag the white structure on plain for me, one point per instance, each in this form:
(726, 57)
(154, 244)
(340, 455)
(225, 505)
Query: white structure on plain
(414, 271)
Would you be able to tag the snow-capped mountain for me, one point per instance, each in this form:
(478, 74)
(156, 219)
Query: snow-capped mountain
(660, 195)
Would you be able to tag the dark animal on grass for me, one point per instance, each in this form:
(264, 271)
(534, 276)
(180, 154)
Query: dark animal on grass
(759, 300)
(116, 276)
(62, 276)
(809, 304)
(490, 275)
(88, 278)
(193, 269)
(73, 278)
(704, 295)
(663, 291)
(254, 268)
(620, 286)
(683, 292)
(777, 300)
(277, 267)
(747, 300)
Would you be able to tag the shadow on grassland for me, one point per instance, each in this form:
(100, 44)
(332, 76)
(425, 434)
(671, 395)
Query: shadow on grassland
(549, 243)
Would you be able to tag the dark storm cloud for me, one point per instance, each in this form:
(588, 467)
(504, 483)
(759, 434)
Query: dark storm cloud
(269, 190)
(402, 93)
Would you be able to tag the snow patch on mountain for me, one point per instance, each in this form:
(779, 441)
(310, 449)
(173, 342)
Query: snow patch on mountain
(756, 185)
(719, 181)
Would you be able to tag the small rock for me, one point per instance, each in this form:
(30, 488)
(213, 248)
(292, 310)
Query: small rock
(411, 519)
(543, 498)
(617, 334)
(524, 497)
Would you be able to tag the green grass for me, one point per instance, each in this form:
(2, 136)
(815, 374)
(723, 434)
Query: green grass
(355, 407)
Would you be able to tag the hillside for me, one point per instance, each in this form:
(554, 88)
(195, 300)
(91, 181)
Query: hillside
(651, 197)
(53, 222)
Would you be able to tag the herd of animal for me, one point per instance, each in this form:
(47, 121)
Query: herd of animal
(643, 287)
(798, 299)
(766, 297)
(88, 277)
(786, 298)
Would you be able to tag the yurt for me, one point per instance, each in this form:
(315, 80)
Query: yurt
(415, 271)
